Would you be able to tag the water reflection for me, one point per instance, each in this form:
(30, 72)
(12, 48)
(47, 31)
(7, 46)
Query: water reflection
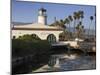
(73, 62)
(53, 63)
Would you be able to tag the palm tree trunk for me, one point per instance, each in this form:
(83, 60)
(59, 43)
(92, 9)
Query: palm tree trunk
(89, 29)
(74, 28)
(69, 31)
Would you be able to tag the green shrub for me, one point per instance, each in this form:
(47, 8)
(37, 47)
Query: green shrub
(29, 37)
(25, 47)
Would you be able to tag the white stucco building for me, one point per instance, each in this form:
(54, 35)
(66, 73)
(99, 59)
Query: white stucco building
(41, 29)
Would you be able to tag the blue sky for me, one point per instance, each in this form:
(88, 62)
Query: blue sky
(28, 11)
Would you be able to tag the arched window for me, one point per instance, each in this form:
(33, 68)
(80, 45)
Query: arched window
(51, 38)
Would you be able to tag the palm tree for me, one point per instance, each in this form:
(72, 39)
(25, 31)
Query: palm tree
(70, 21)
(66, 22)
(91, 18)
(81, 16)
(83, 32)
(56, 23)
(62, 24)
(80, 30)
(74, 16)
(78, 16)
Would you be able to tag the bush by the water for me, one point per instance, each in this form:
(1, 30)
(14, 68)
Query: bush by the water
(29, 45)
(28, 37)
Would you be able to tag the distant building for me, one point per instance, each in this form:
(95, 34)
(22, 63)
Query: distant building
(41, 29)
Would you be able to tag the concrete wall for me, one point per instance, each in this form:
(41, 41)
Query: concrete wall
(72, 43)
(42, 34)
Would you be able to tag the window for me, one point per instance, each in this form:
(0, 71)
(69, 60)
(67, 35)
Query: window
(51, 38)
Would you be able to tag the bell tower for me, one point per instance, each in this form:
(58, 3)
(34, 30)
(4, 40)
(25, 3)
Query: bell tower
(42, 16)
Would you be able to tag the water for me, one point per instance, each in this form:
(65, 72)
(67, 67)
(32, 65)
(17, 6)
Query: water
(73, 62)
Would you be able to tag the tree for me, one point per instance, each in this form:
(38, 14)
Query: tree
(91, 18)
(78, 16)
(70, 21)
(67, 24)
(74, 16)
(80, 30)
(62, 24)
(81, 15)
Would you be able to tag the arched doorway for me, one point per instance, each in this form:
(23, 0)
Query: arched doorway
(51, 38)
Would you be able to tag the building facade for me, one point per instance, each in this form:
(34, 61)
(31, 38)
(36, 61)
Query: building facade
(41, 29)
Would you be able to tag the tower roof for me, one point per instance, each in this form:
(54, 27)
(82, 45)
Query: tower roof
(42, 9)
